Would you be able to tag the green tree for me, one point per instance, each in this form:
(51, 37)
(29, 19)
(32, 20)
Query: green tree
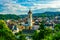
(35, 34)
(40, 35)
(56, 36)
(44, 34)
(5, 32)
(57, 27)
(20, 36)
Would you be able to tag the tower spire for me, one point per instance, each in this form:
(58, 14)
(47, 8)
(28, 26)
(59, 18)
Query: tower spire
(30, 11)
(30, 18)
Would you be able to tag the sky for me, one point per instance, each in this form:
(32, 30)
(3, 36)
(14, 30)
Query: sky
(20, 7)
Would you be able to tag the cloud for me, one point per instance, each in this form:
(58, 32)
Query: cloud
(53, 4)
(22, 6)
(15, 9)
(12, 8)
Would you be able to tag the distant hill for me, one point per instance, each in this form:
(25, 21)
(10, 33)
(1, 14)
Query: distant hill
(9, 16)
(48, 14)
(13, 16)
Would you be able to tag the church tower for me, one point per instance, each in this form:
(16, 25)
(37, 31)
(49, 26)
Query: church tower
(30, 18)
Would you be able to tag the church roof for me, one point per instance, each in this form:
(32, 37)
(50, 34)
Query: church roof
(29, 11)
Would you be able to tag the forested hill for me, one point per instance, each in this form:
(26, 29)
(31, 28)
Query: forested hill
(13, 16)
(48, 14)
(9, 16)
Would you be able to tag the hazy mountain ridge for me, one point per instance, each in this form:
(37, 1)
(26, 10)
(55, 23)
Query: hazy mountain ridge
(13, 16)
(41, 14)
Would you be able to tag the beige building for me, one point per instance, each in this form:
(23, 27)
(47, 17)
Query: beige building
(30, 19)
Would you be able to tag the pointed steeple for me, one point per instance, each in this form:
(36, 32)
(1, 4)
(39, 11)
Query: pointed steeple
(29, 12)
(30, 19)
